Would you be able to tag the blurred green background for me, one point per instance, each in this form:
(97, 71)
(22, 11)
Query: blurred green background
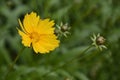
(85, 18)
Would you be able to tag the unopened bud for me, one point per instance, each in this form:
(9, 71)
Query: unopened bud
(64, 27)
(100, 40)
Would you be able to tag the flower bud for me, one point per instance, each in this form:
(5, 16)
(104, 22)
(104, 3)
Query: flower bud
(64, 27)
(100, 40)
(62, 30)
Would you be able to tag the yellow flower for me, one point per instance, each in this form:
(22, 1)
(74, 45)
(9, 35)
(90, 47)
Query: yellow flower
(38, 33)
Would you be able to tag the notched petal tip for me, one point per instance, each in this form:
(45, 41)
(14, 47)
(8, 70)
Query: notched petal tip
(34, 14)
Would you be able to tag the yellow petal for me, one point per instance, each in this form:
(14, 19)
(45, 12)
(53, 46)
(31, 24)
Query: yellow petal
(46, 44)
(46, 27)
(21, 26)
(38, 48)
(25, 38)
(30, 22)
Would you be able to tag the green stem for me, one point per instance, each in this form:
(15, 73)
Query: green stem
(12, 65)
(66, 63)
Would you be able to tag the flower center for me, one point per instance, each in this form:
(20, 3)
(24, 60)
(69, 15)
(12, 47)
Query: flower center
(34, 37)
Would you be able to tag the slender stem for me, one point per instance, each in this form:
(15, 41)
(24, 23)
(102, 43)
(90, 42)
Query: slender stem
(12, 65)
(76, 57)
(66, 63)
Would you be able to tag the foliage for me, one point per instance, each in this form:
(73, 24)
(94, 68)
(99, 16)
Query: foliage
(85, 18)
